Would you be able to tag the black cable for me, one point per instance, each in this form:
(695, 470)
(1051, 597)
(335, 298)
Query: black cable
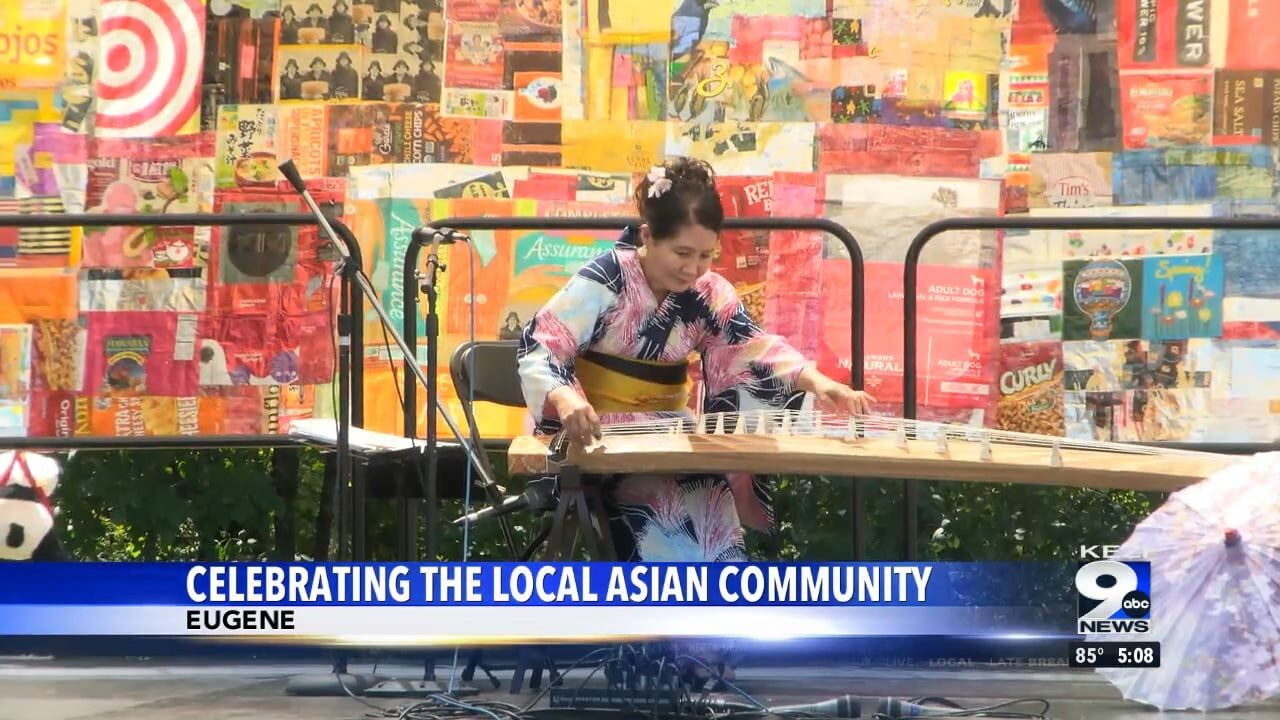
(443, 707)
(685, 707)
(543, 693)
(333, 346)
(950, 709)
(331, 318)
(438, 707)
(400, 393)
(395, 382)
(936, 700)
(720, 677)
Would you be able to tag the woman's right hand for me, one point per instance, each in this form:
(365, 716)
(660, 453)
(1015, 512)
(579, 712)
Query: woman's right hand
(577, 417)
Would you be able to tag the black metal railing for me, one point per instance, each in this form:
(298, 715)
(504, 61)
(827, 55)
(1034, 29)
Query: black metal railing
(410, 331)
(911, 497)
(350, 375)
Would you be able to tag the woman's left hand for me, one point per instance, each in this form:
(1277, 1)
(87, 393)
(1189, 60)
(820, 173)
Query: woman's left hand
(831, 396)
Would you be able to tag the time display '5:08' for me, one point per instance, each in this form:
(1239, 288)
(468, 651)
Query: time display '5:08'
(1114, 655)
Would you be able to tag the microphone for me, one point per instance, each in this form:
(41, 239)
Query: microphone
(438, 237)
(428, 235)
(537, 495)
(290, 172)
(847, 706)
(447, 236)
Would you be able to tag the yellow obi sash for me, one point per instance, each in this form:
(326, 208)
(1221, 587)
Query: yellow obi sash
(615, 384)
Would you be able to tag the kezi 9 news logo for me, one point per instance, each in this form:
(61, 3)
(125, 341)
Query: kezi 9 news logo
(1114, 597)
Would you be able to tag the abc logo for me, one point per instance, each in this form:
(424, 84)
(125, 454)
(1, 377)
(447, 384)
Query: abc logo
(1114, 590)
(1136, 604)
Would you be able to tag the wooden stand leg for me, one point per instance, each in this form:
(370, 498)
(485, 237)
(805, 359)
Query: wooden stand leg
(595, 499)
(570, 487)
(584, 516)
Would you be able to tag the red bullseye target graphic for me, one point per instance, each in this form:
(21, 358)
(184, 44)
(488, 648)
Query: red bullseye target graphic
(149, 78)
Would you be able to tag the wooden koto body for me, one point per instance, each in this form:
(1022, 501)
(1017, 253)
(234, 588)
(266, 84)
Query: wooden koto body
(871, 447)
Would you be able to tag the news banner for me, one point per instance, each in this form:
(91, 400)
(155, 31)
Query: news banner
(386, 604)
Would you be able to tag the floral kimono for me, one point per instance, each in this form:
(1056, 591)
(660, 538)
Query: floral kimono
(606, 334)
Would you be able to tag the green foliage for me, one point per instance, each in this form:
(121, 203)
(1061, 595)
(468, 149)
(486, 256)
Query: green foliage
(957, 521)
(224, 505)
(161, 505)
(1015, 522)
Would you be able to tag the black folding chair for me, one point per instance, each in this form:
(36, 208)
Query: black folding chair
(496, 379)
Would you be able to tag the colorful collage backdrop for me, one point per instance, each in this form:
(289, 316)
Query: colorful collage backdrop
(883, 115)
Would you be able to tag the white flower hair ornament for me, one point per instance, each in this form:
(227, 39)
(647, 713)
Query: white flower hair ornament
(658, 182)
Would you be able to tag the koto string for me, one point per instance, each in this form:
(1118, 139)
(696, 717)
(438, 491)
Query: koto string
(815, 423)
(802, 425)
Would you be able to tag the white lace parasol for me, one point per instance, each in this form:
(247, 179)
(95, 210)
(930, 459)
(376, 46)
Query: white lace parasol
(1214, 549)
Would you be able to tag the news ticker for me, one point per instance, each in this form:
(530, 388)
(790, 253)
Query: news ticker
(513, 602)
(1114, 655)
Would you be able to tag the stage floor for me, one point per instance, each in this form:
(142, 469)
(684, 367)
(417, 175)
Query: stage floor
(34, 689)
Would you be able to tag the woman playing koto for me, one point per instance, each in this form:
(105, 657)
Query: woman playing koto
(623, 328)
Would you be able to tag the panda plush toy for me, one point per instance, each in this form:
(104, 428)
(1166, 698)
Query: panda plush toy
(27, 528)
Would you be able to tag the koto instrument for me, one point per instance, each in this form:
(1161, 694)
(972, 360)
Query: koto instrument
(778, 442)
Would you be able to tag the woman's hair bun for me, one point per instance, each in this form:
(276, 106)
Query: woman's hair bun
(680, 191)
(689, 170)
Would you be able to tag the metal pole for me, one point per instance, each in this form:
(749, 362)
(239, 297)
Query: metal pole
(355, 392)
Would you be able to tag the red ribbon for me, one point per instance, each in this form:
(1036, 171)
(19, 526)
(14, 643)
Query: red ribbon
(19, 460)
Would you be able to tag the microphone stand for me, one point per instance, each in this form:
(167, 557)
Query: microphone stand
(431, 491)
(339, 682)
(432, 331)
(431, 288)
(366, 287)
